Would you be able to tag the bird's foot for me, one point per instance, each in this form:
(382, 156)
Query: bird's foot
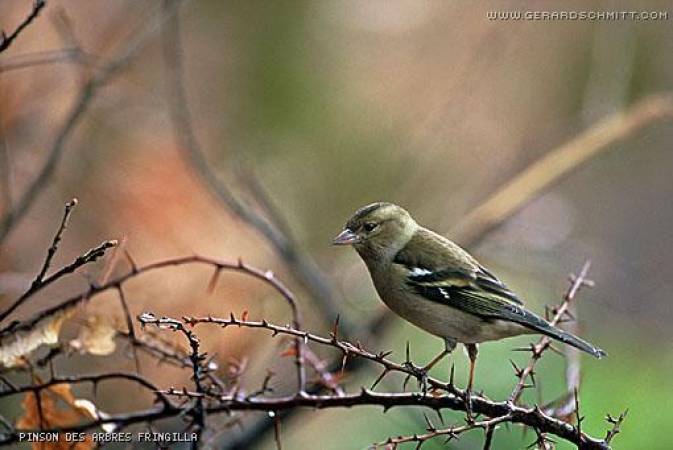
(420, 373)
(469, 417)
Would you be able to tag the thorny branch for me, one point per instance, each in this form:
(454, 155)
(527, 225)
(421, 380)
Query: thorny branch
(448, 433)
(197, 360)
(41, 280)
(496, 210)
(209, 397)
(544, 343)
(213, 398)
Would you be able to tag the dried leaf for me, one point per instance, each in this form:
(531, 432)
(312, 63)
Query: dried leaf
(50, 415)
(96, 337)
(92, 410)
(15, 347)
(291, 351)
(244, 316)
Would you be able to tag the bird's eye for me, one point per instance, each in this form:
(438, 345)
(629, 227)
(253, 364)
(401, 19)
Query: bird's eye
(369, 227)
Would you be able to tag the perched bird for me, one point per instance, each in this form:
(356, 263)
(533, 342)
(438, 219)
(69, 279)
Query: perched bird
(438, 286)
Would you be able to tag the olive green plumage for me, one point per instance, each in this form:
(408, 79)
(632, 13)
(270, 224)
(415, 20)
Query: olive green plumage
(438, 286)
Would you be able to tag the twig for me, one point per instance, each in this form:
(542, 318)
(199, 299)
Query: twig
(276, 234)
(452, 399)
(616, 425)
(36, 59)
(94, 379)
(558, 163)
(226, 404)
(276, 430)
(129, 326)
(197, 359)
(565, 406)
(538, 349)
(266, 276)
(89, 90)
(450, 433)
(57, 240)
(40, 283)
(7, 40)
(326, 378)
(172, 355)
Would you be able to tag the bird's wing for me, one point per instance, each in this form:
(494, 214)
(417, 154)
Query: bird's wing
(434, 261)
(456, 290)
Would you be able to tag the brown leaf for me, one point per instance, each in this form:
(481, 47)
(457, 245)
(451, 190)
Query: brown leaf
(57, 408)
(16, 346)
(291, 351)
(96, 337)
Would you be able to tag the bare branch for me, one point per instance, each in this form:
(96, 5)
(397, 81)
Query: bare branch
(276, 234)
(561, 161)
(89, 90)
(451, 398)
(543, 344)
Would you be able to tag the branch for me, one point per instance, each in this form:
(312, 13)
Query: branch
(7, 40)
(543, 344)
(95, 379)
(40, 282)
(450, 433)
(531, 417)
(89, 90)
(560, 162)
(266, 276)
(275, 233)
(452, 397)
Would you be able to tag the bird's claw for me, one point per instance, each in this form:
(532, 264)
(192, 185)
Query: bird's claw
(420, 373)
(469, 418)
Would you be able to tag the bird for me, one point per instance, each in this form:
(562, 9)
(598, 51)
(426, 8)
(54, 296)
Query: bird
(433, 283)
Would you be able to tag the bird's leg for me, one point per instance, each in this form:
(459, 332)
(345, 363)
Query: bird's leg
(449, 345)
(435, 360)
(472, 352)
(422, 372)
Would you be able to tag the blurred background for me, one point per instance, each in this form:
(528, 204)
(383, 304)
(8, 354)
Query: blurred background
(329, 106)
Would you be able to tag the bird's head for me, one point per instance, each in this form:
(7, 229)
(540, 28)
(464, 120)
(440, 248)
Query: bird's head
(378, 230)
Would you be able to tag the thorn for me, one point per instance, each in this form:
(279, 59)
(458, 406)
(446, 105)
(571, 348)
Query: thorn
(439, 414)
(517, 371)
(555, 350)
(132, 263)
(212, 283)
(429, 426)
(379, 378)
(406, 381)
(382, 355)
(335, 329)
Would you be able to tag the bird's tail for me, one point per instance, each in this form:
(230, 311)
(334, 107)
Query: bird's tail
(548, 329)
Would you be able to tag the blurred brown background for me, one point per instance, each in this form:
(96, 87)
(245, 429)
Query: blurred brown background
(332, 105)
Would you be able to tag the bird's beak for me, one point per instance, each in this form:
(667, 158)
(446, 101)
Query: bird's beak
(346, 237)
